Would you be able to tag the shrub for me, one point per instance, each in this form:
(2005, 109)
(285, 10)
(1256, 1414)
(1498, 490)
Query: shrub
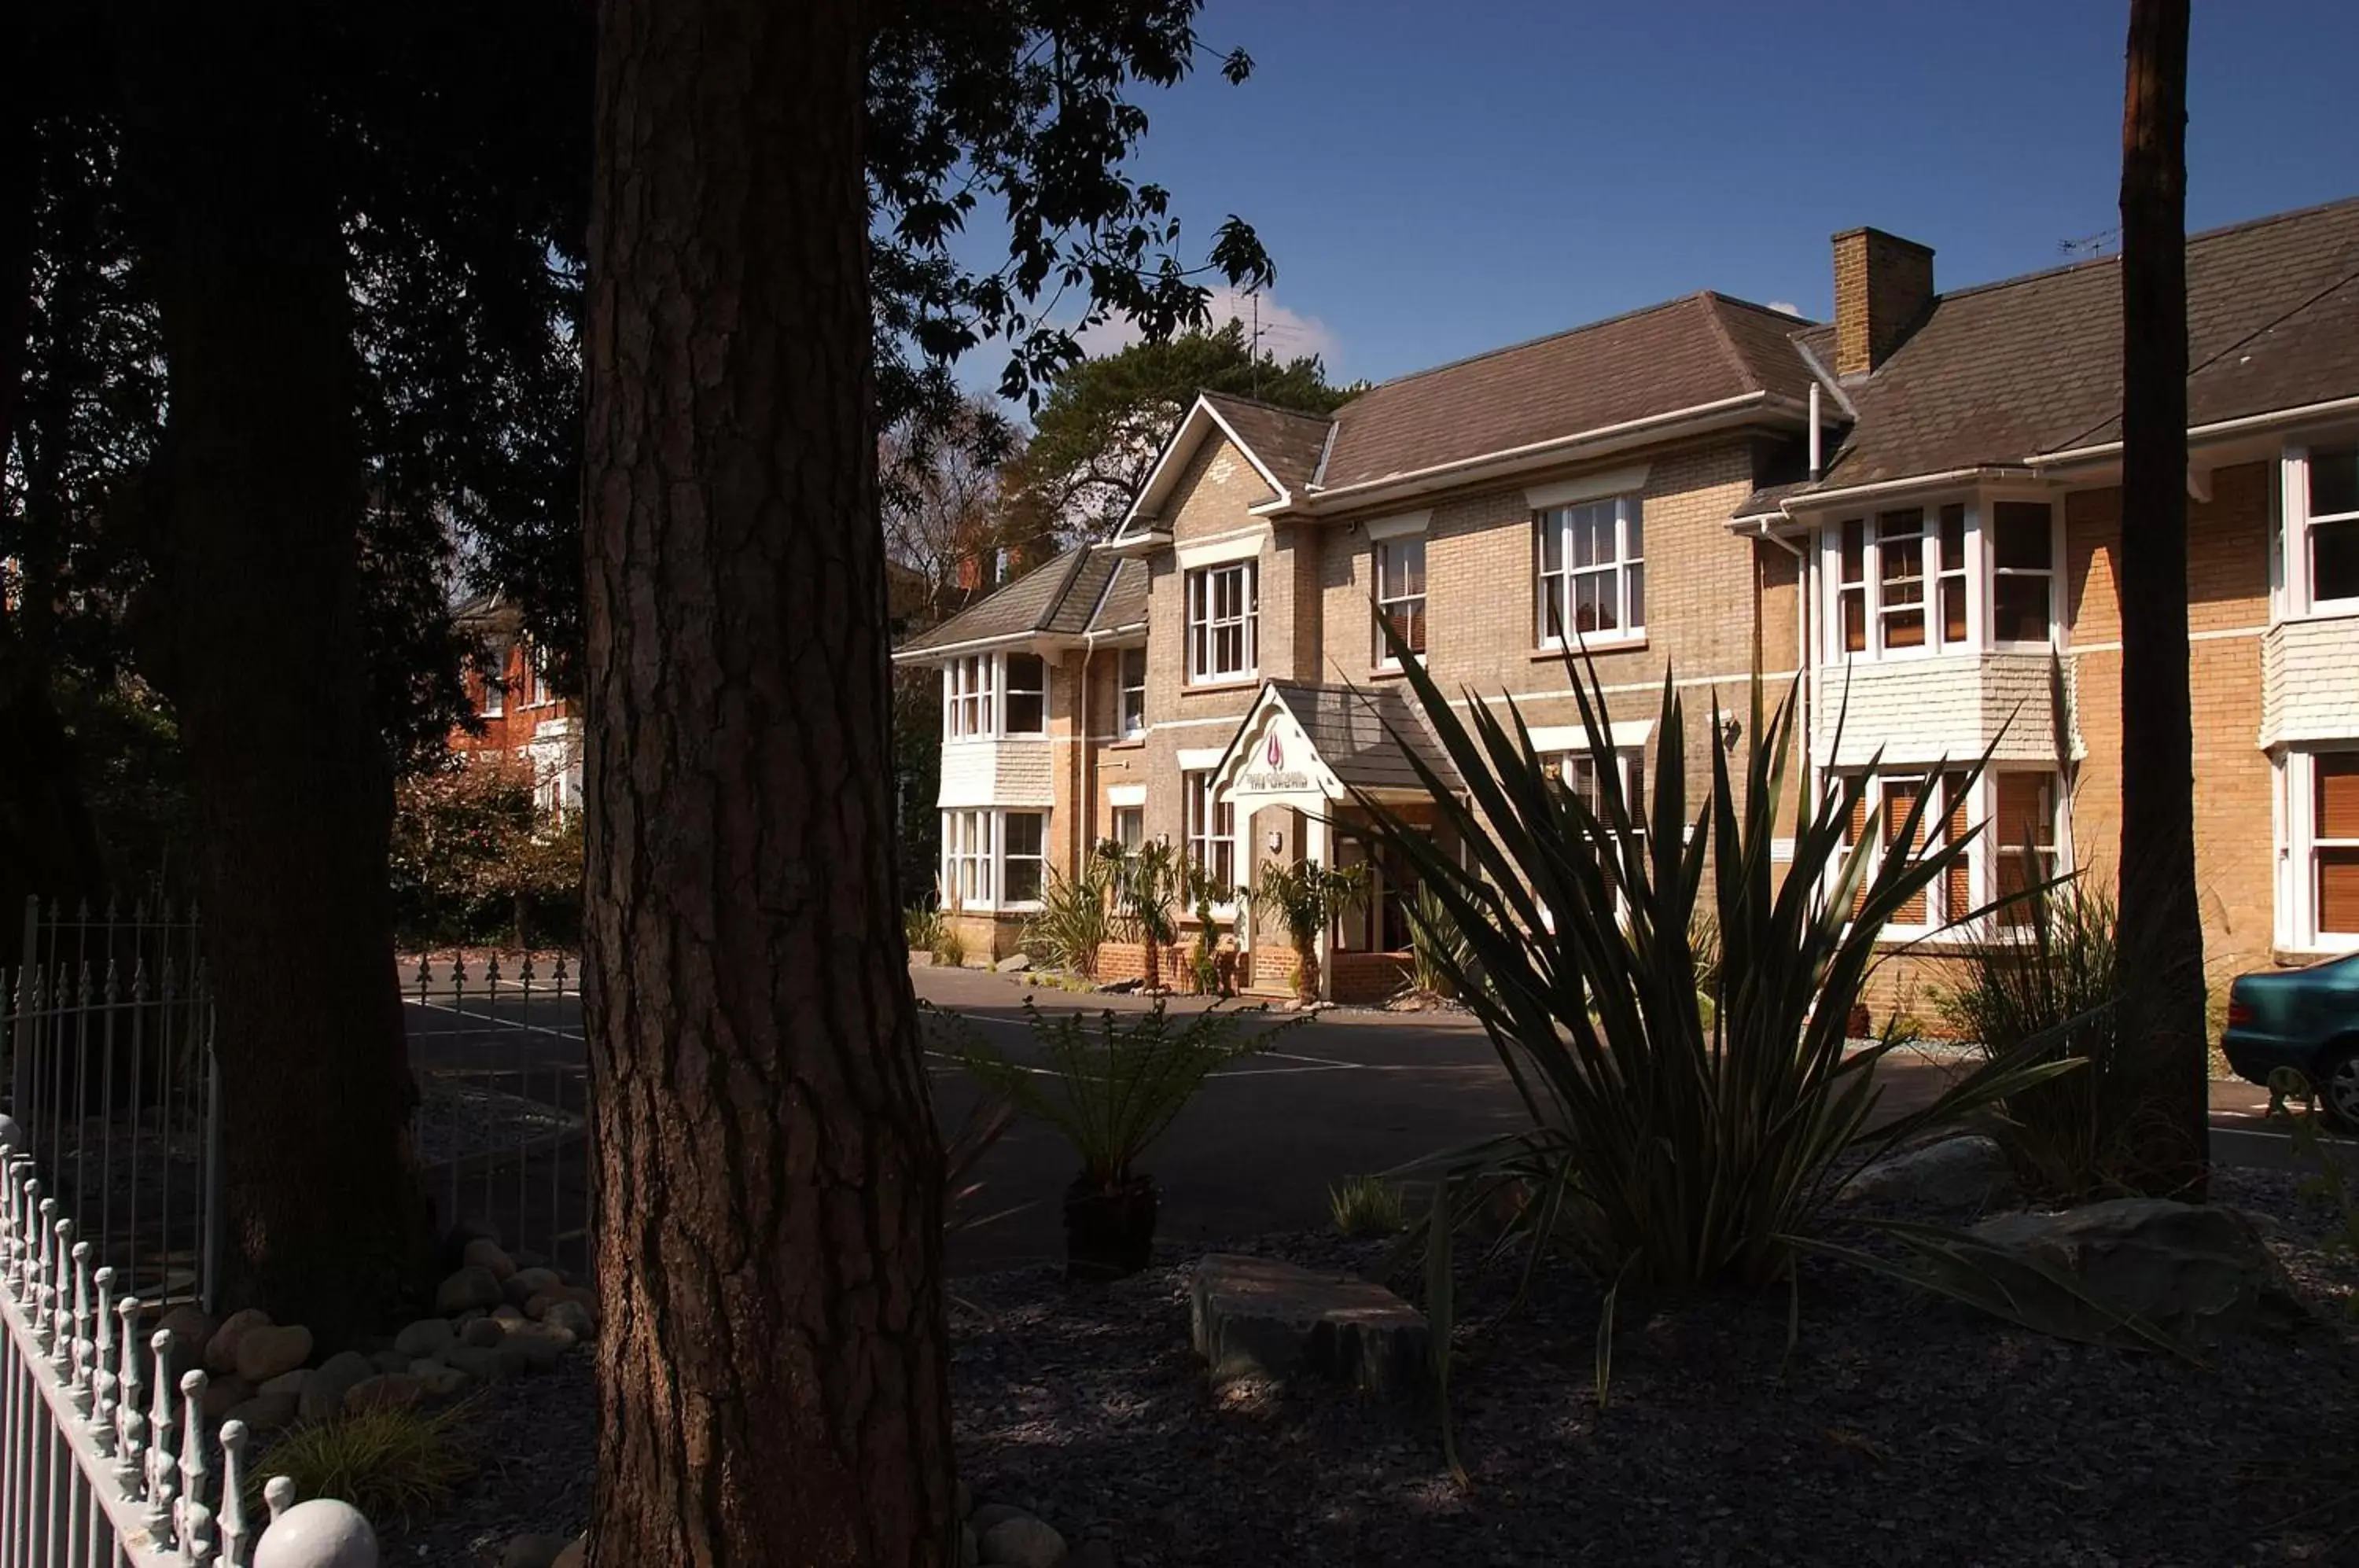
(1113, 1087)
(1203, 891)
(950, 949)
(1148, 885)
(474, 859)
(395, 1465)
(1430, 937)
(922, 926)
(1076, 918)
(1663, 1150)
(2053, 979)
(1366, 1206)
(1305, 897)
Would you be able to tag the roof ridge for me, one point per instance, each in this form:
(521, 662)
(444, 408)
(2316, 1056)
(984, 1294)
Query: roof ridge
(1073, 556)
(2200, 236)
(1793, 318)
(1727, 340)
(1264, 403)
(1615, 320)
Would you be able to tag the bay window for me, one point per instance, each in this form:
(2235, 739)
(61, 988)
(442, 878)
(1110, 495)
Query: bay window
(1224, 612)
(1592, 572)
(1131, 701)
(993, 860)
(1211, 824)
(1027, 694)
(2319, 810)
(2323, 520)
(1400, 596)
(2021, 844)
(2024, 840)
(969, 696)
(1023, 843)
(1942, 579)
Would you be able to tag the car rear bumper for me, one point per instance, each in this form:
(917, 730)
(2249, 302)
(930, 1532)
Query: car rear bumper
(2254, 1058)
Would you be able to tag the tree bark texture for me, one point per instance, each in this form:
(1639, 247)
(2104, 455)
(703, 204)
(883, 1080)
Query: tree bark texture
(252, 628)
(773, 1367)
(2161, 933)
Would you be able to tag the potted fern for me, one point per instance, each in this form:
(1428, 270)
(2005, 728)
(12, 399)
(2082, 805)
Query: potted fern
(1305, 897)
(1112, 1086)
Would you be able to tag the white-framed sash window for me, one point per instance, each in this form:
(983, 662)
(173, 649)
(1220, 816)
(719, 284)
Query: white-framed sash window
(1590, 571)
(1131, 701)
(1399, 570)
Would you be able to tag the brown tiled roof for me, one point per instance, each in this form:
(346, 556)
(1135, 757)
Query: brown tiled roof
(1699, 349)
(1287, 440)
(2006, 371)
(1064, 596)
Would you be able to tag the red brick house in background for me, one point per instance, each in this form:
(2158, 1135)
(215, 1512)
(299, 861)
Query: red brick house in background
(524, 718)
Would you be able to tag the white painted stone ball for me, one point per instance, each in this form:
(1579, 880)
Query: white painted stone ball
(321, 1533)
(11, 1135)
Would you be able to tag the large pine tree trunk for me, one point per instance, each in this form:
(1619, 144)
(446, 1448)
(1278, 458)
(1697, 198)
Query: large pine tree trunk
(774, 1368)
(2161, 932)
(252, 628)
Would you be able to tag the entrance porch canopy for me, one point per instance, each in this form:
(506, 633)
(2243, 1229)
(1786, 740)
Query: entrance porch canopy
(1309, 746)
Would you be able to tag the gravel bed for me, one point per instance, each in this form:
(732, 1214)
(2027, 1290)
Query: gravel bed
(457, 1119)
(1900, 1430)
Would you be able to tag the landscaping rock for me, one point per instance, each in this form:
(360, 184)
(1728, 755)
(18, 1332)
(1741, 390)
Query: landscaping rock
(1023, 1542)
(483, 1334)
(264, 1351)
(961, 1499)
(1014, 963)
(427, 1336)
(471, 1287)
(991, 1514)
(1966, 1174)
(2194, 1270)
(534, 1552)
(223, 1395)
(1258, 1317)
(265, 1413)
(485, 1253)
(438, 1380)
(540, 1347)
(970, 1549)
(193, 1331)
(573, 1555)
(1095, 1553)
(572, 1317)
(288, 1383)
(525, 1283)
(390, 1360)
(220, 1351)
(386, 1391)
(324, 1389)
(507, 1316)
(494, 1365)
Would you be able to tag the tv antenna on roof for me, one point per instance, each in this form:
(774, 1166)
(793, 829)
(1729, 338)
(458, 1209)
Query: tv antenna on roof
(1253, 347)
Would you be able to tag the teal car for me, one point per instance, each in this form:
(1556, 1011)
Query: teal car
(2307, 1019)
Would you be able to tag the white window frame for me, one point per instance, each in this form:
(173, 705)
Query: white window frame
(2298, 857)
(971, 697)
(1009, 690)
(1979, 817)
(1132, 818)
(1627, 572)
(2296, 548)
(1987, 612)
(967, 859)
(1390, 597)
(1201, 840)
(1001, 822)
(495, 686)
(1207, 622)
(1130, 699)
(536, 679)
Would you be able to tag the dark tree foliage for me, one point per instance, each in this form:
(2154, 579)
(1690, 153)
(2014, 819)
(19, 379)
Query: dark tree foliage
(1104, 421)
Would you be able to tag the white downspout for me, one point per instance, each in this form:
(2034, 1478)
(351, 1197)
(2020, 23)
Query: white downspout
(1816, 454)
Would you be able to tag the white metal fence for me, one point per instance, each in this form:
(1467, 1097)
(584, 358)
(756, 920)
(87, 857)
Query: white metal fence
(89, 1478)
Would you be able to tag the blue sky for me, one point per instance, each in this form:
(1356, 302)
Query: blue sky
(1437, 180)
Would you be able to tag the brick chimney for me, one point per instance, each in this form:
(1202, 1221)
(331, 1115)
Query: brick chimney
(1882, 284)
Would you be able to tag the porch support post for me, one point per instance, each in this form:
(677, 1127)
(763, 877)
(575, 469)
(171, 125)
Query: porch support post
(1314, 847)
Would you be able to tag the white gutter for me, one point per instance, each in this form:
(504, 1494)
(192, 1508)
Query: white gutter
(1005, 639)
(2246, 424)
(1345, 495)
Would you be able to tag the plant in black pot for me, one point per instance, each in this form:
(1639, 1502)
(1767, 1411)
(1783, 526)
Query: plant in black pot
(1111, 1084)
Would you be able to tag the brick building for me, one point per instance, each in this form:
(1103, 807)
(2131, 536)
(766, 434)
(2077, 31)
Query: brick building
(1914, 509)
(525, 720)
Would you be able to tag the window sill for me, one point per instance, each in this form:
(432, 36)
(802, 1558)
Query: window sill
(1592, 645)
(1386, 672)
(1226, 683)
(1127, 743)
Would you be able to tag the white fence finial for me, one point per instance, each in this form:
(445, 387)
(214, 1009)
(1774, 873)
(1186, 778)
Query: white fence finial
(317, 1534)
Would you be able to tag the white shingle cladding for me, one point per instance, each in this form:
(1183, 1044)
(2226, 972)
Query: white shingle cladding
(2309, 681)
(997, 773)
(1926, 710)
